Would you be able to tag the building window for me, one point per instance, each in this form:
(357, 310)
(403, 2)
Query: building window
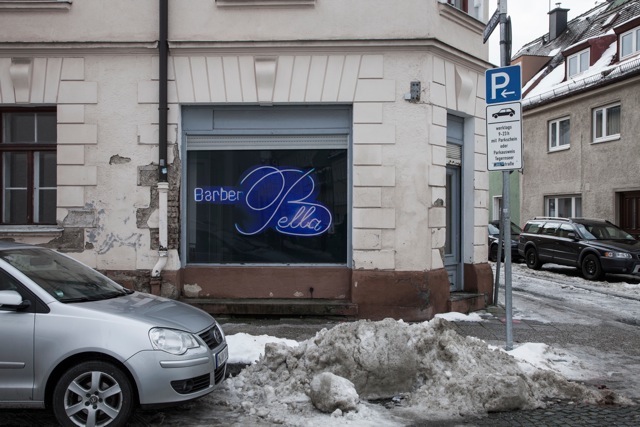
(460, 4)
(606, 123)
(563, 206)
(578, 63)
(28, 166)
(559, 134)
(630, 42)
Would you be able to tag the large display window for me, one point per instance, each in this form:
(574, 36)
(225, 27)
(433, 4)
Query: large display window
(274, 206)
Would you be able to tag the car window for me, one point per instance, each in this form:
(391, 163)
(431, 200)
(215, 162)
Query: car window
(7, 283)
(550, 228)
(604, 232)
(564, 230)
(63, 278)
(493, 230)
(532, 227)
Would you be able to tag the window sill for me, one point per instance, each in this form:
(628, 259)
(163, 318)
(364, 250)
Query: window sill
(562, 148)
(264, 3)
(30, 231)
(606, 139)
(35, 4)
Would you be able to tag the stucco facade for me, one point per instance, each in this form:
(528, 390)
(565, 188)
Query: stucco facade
(597, 172)
(99, 67)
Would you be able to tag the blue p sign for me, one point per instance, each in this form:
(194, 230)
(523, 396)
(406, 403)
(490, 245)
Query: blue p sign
(503, 84)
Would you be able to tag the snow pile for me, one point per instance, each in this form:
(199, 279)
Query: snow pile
(425, 370)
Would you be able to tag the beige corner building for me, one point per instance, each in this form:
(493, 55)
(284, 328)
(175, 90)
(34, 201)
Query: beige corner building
(254, 156)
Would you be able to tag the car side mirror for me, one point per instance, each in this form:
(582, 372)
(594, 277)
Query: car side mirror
(13, 299)
(571, 235)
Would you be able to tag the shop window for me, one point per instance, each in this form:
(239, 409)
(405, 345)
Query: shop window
(28, 166)
(563, 206)
(578, 63)
(606, 123)
(559, 134)
(267, 185)
(630, 42)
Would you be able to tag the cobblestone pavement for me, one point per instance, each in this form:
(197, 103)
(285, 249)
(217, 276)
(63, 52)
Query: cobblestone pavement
(490, 330)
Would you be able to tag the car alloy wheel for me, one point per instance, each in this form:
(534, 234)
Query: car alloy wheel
(591, 269)
(93, 394)
(532, 259)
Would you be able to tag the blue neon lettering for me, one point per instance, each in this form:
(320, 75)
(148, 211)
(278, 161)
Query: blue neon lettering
(283, 199)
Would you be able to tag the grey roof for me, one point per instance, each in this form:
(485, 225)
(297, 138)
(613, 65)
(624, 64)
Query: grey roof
(594, 23)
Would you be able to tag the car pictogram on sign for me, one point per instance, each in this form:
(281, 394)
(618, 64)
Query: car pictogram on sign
(504, 112)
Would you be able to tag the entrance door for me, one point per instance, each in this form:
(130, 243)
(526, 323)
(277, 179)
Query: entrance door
(630, 212)
(453, 238)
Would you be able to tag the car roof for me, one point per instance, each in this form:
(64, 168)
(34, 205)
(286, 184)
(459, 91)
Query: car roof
(7, 244)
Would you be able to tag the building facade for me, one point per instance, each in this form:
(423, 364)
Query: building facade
(253, 156)
(580, 116)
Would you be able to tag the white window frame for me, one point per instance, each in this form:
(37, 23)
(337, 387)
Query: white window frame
(579, 65)
(35, 4)
(556, 132)
(606, 136)
(264, 3)
(634, 37)
(556, 200)
(497, 207)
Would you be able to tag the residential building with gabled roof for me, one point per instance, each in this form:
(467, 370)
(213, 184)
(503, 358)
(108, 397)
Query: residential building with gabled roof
(581, 113)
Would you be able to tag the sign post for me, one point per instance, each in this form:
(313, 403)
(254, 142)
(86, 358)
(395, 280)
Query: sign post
(504, 141)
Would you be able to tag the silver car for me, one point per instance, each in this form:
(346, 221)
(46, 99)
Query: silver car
(74, 341)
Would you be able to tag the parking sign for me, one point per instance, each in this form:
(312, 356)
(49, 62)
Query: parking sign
(503, 84)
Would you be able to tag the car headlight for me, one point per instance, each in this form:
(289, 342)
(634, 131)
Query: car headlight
(172, 341)
(617, 255)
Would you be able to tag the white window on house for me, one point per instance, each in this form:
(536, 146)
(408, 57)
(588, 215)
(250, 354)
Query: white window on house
(28, 166)
(578, 63)
(497, 207)
(460, 4)
(563, 206)
(606, 123)
(630, 42)
(559, 134)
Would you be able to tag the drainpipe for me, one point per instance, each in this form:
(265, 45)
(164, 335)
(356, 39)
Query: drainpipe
(163, 182)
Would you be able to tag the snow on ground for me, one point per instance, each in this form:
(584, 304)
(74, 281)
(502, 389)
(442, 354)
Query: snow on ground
(385, 373)
(422, 371)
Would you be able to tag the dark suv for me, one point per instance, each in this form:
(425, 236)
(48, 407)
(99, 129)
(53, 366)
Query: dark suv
(594, 246)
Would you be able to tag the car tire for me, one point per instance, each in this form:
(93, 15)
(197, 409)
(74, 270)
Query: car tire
(493, 253)
(533, 262)
(591, 268)
(93, 393)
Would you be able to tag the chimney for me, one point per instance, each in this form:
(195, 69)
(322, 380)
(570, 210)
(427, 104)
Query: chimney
(557, 22)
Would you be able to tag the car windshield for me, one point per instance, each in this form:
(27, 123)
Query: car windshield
(603, 232)
(64, 278)
(494, 228)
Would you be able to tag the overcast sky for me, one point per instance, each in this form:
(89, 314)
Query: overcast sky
(529, 20)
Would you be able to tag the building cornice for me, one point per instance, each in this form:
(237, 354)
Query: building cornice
(273, 47)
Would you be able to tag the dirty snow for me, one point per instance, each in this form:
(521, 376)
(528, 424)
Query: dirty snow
(390, 372)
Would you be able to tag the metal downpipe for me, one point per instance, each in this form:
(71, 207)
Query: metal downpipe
(163, 182)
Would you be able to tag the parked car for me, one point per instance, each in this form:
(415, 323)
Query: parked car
(594, 246)
(74, 341)
(494, 235)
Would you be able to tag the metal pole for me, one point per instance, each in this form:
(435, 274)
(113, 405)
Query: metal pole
(506, 217)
